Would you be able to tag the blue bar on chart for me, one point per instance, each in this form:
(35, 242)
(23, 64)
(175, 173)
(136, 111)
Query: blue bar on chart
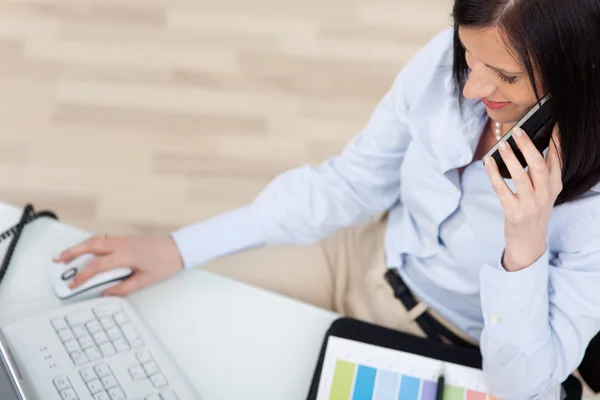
(364, 384)
(409, 388)
(387, 385)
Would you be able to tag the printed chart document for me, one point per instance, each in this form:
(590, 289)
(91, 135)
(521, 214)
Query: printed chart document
(354, 370)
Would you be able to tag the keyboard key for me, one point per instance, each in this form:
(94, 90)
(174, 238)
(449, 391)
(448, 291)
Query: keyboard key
(102, 370)
(79, 358)
(93, 326)
(114, 333)
(101, 396)
(59, 323)
(137, 373)
(107, 322)
(79, 331)
(121, 345)
(93, 354)
(136, 342)
(109, 382)
(116, 394)
(66, 335)
(61, 383)
(168, 395)
(86, 342)
(151, 368)
(107, 310)
(87, 374)
(72, 346)
(100, 337)
(152, 397)
(80, 318)
(158, 380)
(107, 349)
(95, 386)
(121, 318)
(69, 394)
(143, 356)
(129, 331)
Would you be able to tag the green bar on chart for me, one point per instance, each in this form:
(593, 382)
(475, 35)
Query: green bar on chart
(341, 388)
(454, 393)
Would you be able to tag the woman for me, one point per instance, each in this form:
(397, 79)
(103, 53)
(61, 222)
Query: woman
(512, 266)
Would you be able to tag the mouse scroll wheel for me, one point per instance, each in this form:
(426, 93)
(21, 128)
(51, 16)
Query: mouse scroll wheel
(68, 274)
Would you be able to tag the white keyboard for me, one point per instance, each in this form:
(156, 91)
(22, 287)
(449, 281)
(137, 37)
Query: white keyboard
(94, 350)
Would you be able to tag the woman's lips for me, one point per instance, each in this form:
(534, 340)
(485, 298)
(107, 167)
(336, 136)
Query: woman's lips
(495, 105)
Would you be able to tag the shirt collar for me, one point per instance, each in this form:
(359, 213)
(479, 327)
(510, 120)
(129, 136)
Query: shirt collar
(459, 139)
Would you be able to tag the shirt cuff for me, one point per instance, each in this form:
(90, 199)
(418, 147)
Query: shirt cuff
(515, 304)
(222, 235)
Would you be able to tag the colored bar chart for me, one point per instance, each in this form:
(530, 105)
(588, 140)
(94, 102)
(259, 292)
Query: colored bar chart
(353, 381)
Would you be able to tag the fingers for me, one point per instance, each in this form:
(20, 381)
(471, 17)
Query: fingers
(516, 170)
(128, 286)
(95, 245)
(504, 192)
(538, 170)
(96, 266)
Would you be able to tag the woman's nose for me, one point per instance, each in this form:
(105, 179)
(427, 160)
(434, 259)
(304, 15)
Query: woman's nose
(478, 85)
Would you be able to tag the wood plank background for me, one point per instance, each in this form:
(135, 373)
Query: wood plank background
(141, 116)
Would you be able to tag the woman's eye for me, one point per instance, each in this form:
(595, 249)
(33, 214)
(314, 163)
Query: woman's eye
(507, 79)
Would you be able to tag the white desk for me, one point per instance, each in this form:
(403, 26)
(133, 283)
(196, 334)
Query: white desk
(232, 341)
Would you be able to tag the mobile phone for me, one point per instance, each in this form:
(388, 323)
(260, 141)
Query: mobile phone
(537, 124)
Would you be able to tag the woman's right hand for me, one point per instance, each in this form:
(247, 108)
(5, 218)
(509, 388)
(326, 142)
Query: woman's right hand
(152, 260)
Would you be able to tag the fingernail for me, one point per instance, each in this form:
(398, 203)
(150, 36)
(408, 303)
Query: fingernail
(488, 161)
(518, 132)
(502, 145)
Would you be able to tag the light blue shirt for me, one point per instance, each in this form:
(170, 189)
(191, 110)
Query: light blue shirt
(445, 233)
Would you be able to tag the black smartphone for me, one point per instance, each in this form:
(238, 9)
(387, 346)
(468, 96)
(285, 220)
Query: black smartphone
(537, 124)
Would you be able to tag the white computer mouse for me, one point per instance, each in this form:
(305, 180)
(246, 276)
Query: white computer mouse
(63, 273)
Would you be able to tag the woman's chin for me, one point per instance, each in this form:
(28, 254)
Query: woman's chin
(508, 116)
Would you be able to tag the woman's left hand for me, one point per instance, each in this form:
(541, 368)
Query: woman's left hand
(527, 212)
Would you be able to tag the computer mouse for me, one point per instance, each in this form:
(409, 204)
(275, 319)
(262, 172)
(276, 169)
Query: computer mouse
(63, 274)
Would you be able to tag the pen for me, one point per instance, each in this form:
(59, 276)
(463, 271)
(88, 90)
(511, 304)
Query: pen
(439, 394)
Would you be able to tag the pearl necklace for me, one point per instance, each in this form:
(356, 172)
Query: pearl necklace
(498, 131)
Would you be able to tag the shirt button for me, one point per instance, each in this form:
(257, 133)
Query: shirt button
(433, 227)
(429, 246)
(495, 319)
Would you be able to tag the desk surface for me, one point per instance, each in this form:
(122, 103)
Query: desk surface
(231, 340)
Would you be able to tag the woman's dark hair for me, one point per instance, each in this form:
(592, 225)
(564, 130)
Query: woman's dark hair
(560, 40)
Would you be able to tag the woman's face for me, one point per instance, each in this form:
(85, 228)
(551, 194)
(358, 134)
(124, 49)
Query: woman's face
(496, 78)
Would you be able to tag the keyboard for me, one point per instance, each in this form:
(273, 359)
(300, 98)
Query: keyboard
(97, 349)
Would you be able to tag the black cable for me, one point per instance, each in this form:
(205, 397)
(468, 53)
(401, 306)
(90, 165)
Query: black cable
(16, 231)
